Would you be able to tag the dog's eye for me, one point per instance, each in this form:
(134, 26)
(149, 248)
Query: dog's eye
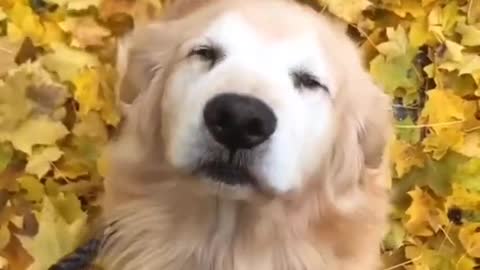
(207, 53)
(305, 80)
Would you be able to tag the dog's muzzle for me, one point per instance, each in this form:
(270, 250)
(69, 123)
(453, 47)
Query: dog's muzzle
(239, 124)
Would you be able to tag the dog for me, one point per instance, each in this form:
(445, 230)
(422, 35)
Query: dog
(253, 138)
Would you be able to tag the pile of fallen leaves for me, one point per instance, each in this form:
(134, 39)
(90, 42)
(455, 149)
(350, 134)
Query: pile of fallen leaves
(58, 109)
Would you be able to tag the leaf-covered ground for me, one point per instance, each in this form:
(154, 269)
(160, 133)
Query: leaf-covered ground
(57, 111)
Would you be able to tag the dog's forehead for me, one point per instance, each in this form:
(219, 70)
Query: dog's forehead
(293, 45)
(234, 29)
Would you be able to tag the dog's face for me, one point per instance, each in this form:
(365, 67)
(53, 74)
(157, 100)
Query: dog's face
(250, 97)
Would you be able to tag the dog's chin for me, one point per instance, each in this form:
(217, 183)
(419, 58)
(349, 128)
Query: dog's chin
(226, 179)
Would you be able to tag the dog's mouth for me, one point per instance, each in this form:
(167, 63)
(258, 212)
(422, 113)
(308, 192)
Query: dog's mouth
(227, 173)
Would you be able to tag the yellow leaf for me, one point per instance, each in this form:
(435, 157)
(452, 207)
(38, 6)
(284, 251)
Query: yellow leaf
(435, 23)
(85, 31)
(469, 236)
(28, 89)
(46, 131)
(465, 263)
(454, 50)
(40, 161)
(349, 10)
(441, 140)
(462, 198)
(53, 33)
(3, 263)
(397, 44)
(442, 21)
(425, 258)
(470, 146)
(470, 64)
(473, 11)
(424, 217)
(27, 22)
(8, 50)
(110, 111)
(87, 91)
(34, 190)
(405, 157)
(442, 106)
(68, 62)
(56, 236)
(14, 33)
(4, 236)
(82, 4)
(427, 2)
(3, 16)
(76, 5)
(412, 7)
(93, 127)
(68, 206)
(419, 34)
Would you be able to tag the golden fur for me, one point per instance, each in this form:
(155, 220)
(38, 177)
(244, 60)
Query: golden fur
(165, 219)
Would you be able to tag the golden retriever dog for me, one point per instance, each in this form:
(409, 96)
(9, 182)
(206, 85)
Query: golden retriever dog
(253, 139)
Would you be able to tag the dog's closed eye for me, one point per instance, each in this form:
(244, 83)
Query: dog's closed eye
(207, 53)
(303, 80)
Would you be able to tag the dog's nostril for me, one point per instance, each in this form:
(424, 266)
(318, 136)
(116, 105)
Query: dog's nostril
(255, 127)
(223, 118)
(238, 121)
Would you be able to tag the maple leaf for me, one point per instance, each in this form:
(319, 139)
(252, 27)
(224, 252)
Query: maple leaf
(93, 127)
(442, 140)
(85, 31)
(424, 258)
(33, 188)
(68, 62)
(4, 236)
(405, 7)
(470, 33)
(397, 44)
(424, 216)
(26, 22)
(442, 21)
(407, 131)
(470, 146)
(87, 90)
(6, 155)
(349, 10)
(462, 198)
(47, 132)
(405, 156)
(394, 73)
(442, 106)
(40, 161)
(469, 236)
(56, 236)
(7, 54)
(395, 237)
(28, 89)
(419, 34)
(468, 175)
(76, 5)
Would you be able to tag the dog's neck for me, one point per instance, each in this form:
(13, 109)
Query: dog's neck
(167, 226)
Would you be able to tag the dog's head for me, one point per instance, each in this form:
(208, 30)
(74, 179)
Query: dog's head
(262, 97)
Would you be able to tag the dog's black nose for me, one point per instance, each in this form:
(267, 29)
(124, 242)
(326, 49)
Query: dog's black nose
(239, 121)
